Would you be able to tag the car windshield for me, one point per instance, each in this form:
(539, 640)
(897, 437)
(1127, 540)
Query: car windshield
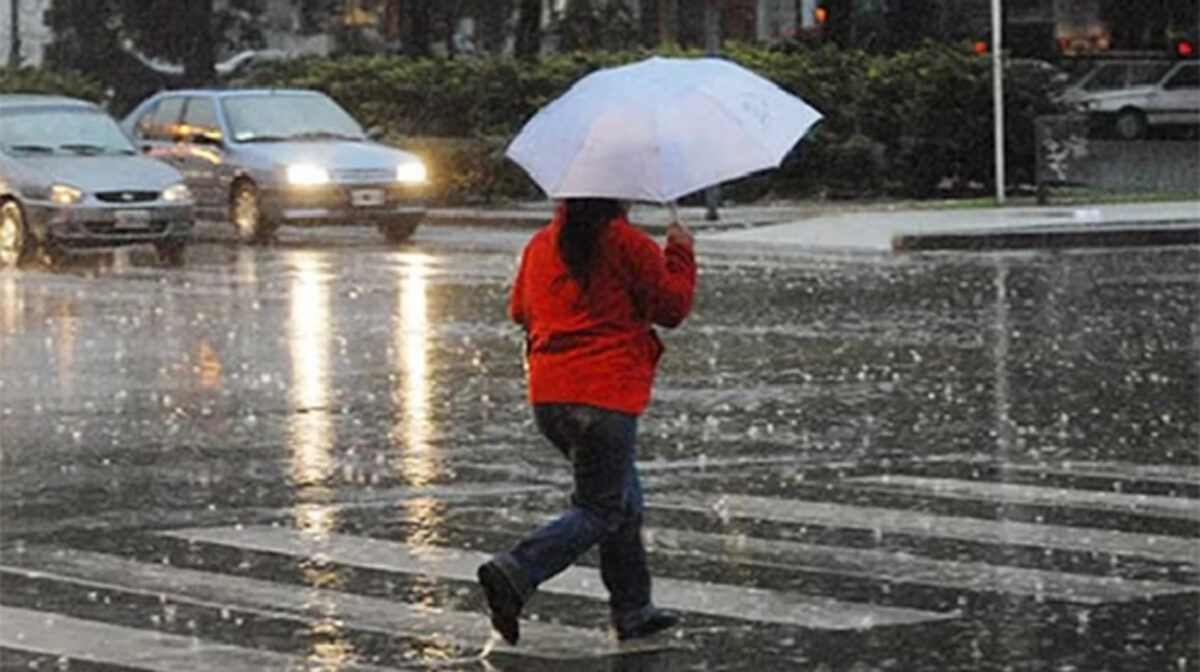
(1122, 75)
(61, 130)
(275, 117)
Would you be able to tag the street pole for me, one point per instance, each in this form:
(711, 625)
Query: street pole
(14, 45)
(712, 44)
(998, 95)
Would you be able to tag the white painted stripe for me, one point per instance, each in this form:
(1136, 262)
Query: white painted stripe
(341, 500)
(1153, 473)
(1016, 493)
(905, 568)
(465, 631)
(64, 636)
(900, 568)
(919, 524)
(751, 604)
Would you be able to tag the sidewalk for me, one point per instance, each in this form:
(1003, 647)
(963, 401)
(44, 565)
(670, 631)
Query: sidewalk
(1162, 223)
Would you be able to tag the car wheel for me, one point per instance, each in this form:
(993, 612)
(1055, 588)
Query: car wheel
(170, 252)
(1130, 125)
(245, 213)
(16, 245)
(397, 231)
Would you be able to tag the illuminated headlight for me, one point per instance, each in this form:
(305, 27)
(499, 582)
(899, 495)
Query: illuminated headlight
(411, 173)
(62, 194)
(305, 175)
(177, 193)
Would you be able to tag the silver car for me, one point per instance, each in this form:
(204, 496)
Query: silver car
(69, 177)
(267, 157)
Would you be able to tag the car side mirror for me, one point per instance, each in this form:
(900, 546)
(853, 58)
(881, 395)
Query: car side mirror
(375, 132)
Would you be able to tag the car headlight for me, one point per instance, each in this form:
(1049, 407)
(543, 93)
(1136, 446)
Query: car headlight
(177, 193)
(65, 194)
(412, 173)
(307, 175)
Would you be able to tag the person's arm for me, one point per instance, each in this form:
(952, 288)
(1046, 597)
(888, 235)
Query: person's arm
(516, 302)
(664, 279)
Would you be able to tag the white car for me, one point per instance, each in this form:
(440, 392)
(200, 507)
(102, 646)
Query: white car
(1167, 95)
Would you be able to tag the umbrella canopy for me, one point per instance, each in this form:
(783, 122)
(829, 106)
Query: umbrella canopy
(659, 129)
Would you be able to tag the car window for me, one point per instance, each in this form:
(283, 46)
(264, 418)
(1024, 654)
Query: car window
(1115, 76)
(145, 123)
(1188, 77)
(1106, 77)
(200, 116)
(1149, 73)
(274, 117)
(166, 117)
(62, 129)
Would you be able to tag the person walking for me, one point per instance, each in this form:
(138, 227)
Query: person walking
(589, 291)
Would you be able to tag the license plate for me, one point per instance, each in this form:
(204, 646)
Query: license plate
(367, 198)
(132, 219)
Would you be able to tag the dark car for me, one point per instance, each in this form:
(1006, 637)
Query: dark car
(70, 178)
(265, 157)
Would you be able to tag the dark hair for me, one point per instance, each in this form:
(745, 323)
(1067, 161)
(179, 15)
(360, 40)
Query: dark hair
(586, 219)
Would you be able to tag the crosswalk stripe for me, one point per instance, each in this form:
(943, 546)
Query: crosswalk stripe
(916, 523)
(467, 631)
(752, 604)
(342, 500)
(1154, 473)
(65, 636)
(904, 568)
(900, 568)
(1015, 493)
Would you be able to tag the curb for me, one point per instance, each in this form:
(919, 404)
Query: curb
(1114, 234)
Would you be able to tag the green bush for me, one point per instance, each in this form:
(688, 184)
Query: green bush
(35, 80)
(897, 124)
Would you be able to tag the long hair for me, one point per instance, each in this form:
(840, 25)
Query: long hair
(586, 219)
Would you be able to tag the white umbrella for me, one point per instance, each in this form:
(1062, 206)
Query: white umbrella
(659, 129)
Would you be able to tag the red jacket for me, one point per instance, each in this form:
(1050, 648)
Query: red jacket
(600, 349)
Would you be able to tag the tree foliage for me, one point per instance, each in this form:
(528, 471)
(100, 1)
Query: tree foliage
(101, 37)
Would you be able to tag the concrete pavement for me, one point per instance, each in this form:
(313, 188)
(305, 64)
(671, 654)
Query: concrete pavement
(1123, 224)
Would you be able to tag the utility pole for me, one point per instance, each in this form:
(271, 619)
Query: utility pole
(998, 95)
(14, 45)
(712, 44)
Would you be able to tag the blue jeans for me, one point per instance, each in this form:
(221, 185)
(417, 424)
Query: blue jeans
(606, 508)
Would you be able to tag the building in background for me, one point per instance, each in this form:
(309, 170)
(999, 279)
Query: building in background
(1046, 29)
(32, 35)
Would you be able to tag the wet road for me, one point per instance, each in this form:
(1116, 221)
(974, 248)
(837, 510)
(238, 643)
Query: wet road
(293, 457)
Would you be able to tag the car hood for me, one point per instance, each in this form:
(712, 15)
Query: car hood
(330, 155)
(102, 173)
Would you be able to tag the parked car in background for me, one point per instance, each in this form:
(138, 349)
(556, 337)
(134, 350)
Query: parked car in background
(264, 158)
(70, 178)
(1129, 98)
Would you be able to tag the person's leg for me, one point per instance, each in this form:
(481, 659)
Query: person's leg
(622, 554)
(592, 439)
(623, 564)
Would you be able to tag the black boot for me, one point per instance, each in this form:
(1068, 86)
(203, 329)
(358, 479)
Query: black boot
(502, 600)
(653, 622)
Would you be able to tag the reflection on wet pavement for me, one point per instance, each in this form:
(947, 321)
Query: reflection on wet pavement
(990, 458)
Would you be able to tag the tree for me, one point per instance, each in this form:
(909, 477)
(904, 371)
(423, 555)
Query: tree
(586, 27)
(529, 29)
(668, 21)
(100, 37)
